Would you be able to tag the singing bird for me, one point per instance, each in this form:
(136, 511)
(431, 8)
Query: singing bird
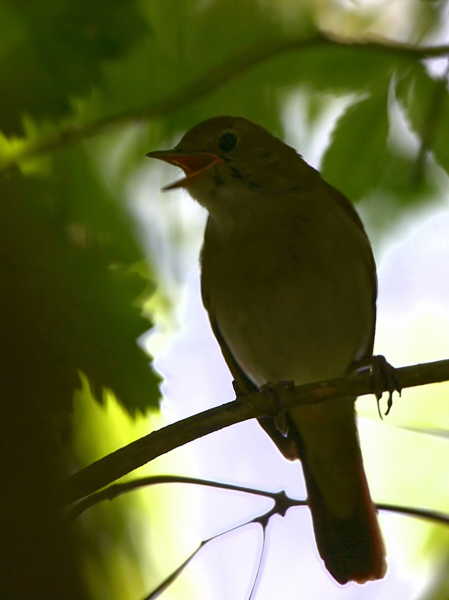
(289, 282)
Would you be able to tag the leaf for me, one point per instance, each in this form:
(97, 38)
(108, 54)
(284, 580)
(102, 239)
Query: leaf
(426, 104)
(362, 161)
(57, 50)
(73, 300)
(354, 161)
(181, 75)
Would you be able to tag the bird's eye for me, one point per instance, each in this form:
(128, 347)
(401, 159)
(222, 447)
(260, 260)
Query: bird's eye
(227, 141)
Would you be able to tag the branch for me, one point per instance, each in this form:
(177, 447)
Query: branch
(250, 406)
(175, 574)
(215, 78)
(113, 491)
(281, 504)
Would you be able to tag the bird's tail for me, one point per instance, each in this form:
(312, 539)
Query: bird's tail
(344, 518)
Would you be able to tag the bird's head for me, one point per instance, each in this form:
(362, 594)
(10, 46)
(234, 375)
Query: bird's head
(228, 160)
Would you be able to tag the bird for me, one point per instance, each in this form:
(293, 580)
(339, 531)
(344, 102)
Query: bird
(288, 279)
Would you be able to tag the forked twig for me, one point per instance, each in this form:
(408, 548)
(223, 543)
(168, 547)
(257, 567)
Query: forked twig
(281, 504)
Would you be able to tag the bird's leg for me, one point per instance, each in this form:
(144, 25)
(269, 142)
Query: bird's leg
(272, 389)
(241, 389)
(278, 426)
(383, 377)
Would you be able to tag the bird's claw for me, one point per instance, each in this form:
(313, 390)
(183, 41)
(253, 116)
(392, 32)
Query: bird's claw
(383, 378)
(277, 425)
(274, 390)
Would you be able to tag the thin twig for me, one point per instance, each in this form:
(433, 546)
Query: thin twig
(215, 78)
(256, 404)
(118, 489)
(279, 507)
(174, 575)
(281, 501)
(420, 513)
(259, 563)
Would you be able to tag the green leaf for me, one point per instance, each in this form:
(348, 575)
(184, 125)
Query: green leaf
(54, 50)
(354, 161)
(426, 104)
(362, 161)
(72, 300)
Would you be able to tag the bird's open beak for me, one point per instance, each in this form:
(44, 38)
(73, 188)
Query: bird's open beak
(192, 163)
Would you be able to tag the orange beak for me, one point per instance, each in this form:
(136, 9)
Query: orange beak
(192, 163)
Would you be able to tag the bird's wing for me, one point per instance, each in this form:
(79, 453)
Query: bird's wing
(242, 383)
(349, 209)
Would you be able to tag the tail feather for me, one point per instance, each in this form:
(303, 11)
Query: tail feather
(352, 548)
(344, 518)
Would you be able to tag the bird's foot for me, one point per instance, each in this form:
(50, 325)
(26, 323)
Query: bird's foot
(274, 390)
(278, 427)
(275, 426)
(383, 377)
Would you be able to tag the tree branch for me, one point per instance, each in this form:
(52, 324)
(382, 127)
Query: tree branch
(113, 491)
(281, 504)
(216, 77)
(281, 501)
(256, 404)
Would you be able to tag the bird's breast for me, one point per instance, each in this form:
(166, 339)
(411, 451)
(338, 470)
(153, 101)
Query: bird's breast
(292, 298)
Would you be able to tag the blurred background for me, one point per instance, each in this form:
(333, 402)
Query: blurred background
(104, 334)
